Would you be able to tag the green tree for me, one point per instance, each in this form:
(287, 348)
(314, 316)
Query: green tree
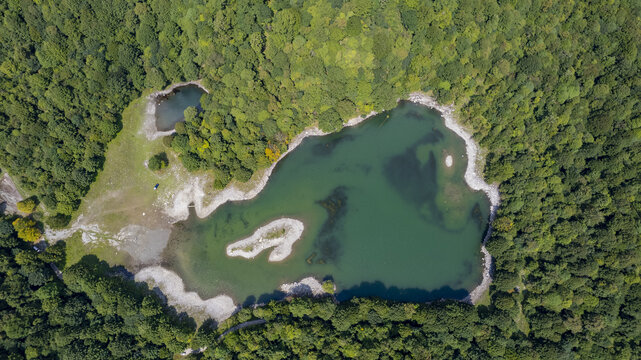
(158, 162)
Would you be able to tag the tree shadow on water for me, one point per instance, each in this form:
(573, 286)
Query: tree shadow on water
(367, 289)
(326, 148)
(264, 298)
(378, 289)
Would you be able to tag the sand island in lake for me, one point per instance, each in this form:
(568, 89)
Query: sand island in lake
(279, 234)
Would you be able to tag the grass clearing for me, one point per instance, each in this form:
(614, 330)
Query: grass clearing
(125, 186)
(123, 193)
(276, 233)
(76, 249)
(521, 321)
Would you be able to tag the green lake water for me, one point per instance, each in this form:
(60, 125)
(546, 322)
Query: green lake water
(170, 109)
(383, 217)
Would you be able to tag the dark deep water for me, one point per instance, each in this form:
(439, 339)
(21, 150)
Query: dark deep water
(170, 108)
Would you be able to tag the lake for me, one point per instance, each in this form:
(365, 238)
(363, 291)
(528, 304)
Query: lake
(383, 215)
(170, 108)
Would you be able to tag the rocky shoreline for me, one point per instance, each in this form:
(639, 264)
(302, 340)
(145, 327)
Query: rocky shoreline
(473, 178)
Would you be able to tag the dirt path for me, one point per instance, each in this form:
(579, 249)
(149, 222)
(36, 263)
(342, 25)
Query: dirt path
(242, 326)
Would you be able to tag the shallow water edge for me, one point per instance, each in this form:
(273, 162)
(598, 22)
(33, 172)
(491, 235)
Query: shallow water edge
(194, 193)
(474, 179)
(176, 206)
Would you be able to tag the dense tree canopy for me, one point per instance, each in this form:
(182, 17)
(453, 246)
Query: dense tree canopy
(550, 88)
(95, 313)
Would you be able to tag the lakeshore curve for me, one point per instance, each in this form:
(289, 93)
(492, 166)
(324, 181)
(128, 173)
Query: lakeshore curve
(194, 190)
(172, 287)
(261, 240)
(474, 180)
(193, 194)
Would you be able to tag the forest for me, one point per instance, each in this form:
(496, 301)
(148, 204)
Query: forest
(550, 89)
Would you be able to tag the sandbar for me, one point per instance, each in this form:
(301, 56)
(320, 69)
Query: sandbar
(279, 234)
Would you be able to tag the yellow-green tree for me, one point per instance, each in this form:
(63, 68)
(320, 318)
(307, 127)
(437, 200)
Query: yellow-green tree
(27, 229)
(28, 205)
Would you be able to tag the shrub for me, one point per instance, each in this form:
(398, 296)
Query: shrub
(58, 221)
(330, 121)
(158, 162)
(328, 286)
(166, 141)
(190, 161)
(243, 174)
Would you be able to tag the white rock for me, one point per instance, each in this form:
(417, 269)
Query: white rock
(308, 286)
(219, 308)
(449, 161)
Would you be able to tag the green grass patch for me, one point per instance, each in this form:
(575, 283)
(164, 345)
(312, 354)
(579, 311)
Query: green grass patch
(76, 249)
(276, 233)
(123, 193)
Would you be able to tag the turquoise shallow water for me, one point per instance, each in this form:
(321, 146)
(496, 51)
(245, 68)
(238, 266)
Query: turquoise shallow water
(170, 109)
(383, 217)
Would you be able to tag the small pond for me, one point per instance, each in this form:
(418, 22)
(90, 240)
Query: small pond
(383, 214)
(170, 108)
